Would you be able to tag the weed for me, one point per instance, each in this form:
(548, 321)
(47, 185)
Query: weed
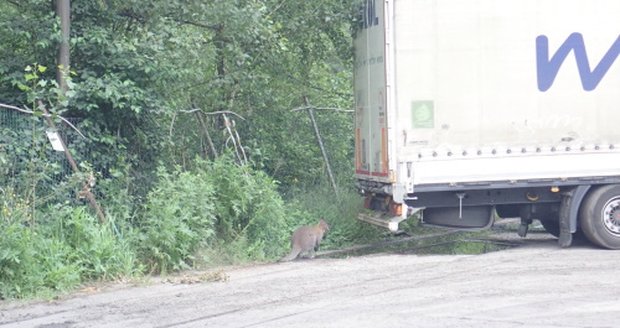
(179, 218)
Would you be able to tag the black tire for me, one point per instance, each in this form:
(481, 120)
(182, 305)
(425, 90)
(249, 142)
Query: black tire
(599, 216)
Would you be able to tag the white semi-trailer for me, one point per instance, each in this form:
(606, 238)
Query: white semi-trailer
(470, 108)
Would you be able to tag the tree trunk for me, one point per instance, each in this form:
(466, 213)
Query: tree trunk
(63, 10)
(205, 130)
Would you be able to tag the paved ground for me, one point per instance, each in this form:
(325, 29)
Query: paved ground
(534, 285)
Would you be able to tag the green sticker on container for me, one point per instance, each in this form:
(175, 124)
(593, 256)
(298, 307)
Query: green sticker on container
(423, 114)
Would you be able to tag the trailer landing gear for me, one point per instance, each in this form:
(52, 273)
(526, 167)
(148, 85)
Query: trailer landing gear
(524, 227)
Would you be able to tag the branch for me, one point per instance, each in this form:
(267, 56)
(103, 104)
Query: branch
(212, 113)
(28, 111)
(17, 109)
(228, 125)
(323, 108)
(174, 117)
(319, 139)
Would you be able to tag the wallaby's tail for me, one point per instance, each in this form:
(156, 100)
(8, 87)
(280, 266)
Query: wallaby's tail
(292, 255)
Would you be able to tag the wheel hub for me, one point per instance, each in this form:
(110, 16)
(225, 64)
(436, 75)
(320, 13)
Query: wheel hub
(611, 216)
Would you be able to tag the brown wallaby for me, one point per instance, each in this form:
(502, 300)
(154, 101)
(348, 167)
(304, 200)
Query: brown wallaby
(306, 239)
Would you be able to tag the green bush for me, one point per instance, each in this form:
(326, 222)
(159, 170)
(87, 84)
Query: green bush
(251, 217)
(31, 264)
(217, 212)
(19, 269)
(179, 218)
(64, 248)
(98, 250)
(57, 267)
(18, 266)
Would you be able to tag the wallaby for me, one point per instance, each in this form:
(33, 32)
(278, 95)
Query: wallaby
(306, 239)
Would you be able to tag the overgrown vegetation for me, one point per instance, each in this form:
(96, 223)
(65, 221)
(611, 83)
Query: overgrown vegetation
(63, 248)
(217, 213)
(190, 139)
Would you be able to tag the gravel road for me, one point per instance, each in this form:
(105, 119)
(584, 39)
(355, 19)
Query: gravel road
(535, 284)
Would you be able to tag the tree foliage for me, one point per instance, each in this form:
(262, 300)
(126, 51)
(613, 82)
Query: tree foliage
(137, 66)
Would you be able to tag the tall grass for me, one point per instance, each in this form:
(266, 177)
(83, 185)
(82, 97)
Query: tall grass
(65, 247)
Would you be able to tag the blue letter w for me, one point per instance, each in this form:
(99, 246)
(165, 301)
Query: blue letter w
(548, 67)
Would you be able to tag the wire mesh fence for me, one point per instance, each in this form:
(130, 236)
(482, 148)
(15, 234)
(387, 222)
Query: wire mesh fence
(28, 162)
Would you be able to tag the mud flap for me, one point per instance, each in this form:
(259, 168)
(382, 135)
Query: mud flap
(569, 209)
(566, 237)
(467, 217)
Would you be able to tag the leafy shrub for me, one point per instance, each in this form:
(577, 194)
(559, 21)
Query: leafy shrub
(17, 256)
(65, 247)
(57, 267)
(17, 260)
(30, 263)
(179, 218)
(218, 210)
(250, 212)
(98, 250)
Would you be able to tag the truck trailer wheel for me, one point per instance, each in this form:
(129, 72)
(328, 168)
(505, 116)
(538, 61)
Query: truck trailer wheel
(600, 216)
